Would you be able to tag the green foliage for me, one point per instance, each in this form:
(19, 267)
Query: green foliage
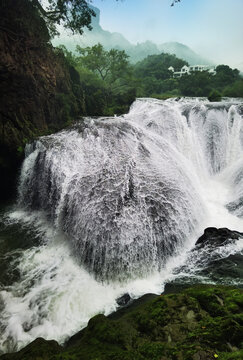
(94, 92)
(157, 79)
(156, 66)
(108, 65)
(110, 84)
(169, 85)
(70, 57)
(106, 79)
(225, 76)
(196, 84)
(237, 355)
(67, 107)
(73, 14)
(20, 150)
(214, 95)
(235, 90)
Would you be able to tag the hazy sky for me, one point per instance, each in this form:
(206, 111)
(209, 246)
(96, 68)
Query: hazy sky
(213, 28)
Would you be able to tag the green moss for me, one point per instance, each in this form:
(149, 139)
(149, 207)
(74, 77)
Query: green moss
(20, 150)
(39, 349)
(237, 355)
(198, 322)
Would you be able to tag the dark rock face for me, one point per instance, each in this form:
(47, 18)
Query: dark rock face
(227, 269)
(212, 259)
(215, 237)
(36, 85)
(123, 300)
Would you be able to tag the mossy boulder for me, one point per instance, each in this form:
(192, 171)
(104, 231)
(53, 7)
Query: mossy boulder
(199, 323)
(39, 349)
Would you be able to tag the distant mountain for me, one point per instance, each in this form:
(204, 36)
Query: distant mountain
(107, 39)
(183, 52)
(136, 52)
(97, 35)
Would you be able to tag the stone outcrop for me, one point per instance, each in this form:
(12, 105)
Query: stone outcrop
(216, 237)
(39, 90)
(199, 323)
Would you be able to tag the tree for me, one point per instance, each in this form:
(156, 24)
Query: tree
(113, 69)
(72, 14)
(108, 65)
(70, 57)
(214, 95)
(174, 2)
(225, 76)
(236, 90)
(197, 84)
(157, 66)
(94, 93)
(106, 79)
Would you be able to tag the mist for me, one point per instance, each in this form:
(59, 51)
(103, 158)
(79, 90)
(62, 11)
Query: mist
(213, 29)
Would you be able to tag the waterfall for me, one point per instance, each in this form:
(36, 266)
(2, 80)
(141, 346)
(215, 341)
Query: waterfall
(129, 191)
(114, 205)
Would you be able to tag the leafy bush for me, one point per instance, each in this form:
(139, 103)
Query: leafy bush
(214, 96)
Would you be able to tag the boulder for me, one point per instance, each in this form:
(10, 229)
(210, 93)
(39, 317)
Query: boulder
(216, 237)
(123, 300)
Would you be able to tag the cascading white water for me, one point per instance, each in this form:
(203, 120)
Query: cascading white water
(120, 199)
(121, 189)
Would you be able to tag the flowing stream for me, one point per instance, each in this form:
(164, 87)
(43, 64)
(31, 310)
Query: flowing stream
(113, 206)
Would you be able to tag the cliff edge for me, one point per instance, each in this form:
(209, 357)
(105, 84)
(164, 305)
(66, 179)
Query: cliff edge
(39, 90)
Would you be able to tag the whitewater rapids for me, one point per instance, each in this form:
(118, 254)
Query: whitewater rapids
(115, 204)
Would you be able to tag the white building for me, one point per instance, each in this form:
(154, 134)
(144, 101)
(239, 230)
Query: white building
(190, 69)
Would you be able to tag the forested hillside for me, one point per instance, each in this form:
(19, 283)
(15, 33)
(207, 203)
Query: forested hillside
(150, 77)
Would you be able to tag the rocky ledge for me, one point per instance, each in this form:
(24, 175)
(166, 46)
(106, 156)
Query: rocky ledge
(199, 323)
(216, 237)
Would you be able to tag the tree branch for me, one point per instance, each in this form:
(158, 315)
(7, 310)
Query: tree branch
(39, 7)
(52, 15)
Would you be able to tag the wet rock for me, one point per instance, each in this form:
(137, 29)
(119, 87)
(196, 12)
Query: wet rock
(123, 300)
(193, 324)
(227, 269)
(216, 237)
(132, 305)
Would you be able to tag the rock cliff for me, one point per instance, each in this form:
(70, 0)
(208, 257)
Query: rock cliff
(39, 90)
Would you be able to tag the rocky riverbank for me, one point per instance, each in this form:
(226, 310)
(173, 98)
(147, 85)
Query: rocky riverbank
(199, 323)
(188, 321)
